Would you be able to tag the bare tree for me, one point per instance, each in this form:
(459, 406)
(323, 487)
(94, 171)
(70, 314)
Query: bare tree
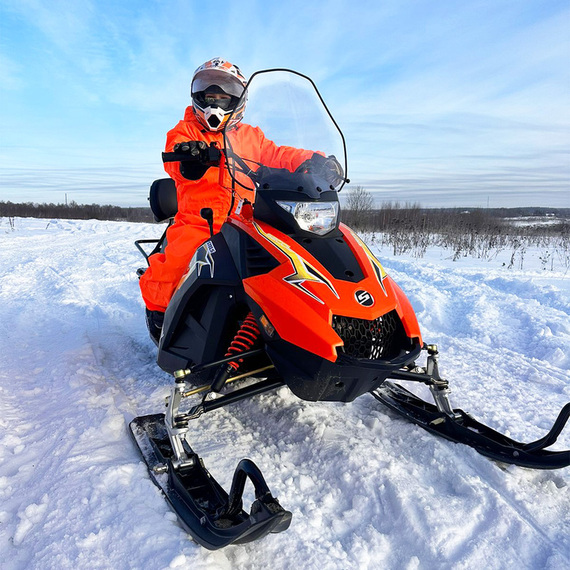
(359, 207)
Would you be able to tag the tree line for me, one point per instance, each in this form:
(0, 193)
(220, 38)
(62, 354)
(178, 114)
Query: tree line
(404, 222)
(476, 232)
(74, 211)
(360, 213)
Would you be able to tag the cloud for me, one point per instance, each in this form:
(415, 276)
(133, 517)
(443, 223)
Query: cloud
(440, 93)
(121, 186)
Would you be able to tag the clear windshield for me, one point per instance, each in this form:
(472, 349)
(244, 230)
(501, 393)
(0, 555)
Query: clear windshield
(285, 123)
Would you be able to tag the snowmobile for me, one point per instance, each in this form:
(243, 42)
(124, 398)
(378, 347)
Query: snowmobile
(285, 295)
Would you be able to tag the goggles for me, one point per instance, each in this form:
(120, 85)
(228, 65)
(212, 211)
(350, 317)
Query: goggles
(207, 99)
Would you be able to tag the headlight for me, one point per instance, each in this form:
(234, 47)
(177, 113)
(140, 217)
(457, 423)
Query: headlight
(317, 217)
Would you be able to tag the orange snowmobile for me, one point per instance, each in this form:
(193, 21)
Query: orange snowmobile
(284, 294)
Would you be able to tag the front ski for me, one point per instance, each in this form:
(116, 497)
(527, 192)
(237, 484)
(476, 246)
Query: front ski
(458, 426)
(463, 428)
(213, 518)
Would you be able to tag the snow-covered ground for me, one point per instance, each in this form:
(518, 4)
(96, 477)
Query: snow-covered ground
(367, 490)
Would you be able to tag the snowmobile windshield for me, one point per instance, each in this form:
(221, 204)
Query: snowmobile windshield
(286, 131)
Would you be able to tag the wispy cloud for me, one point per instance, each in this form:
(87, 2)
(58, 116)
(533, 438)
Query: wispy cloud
(122, 186)
(468, 97)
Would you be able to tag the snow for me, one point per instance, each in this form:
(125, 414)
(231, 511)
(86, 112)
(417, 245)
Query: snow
(524, 221)
(366, 489)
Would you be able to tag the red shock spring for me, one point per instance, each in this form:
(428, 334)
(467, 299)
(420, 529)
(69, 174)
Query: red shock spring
(244, 339)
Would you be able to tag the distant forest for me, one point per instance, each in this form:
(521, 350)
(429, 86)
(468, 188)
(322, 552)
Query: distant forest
(390, 217)
(74, 211)
(405, 228)
(491, 221)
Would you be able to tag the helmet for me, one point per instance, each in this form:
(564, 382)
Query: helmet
(216, 88)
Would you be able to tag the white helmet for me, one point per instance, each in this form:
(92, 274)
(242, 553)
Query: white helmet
(216, 88)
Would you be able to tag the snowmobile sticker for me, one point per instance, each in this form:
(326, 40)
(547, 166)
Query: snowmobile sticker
(380, 272)
(302, 269)
(203, 258)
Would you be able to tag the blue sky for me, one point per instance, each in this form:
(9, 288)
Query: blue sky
(444, 103)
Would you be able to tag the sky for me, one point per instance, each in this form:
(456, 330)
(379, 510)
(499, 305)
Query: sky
(445, 103)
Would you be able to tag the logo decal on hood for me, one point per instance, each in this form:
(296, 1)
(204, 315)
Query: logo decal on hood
(364, 298)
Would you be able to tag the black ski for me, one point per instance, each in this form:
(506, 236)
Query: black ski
(213, 518)
(463, 428)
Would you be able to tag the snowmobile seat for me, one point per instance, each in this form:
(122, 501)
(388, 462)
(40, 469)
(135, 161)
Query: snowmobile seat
(164, 205)
(163, 200)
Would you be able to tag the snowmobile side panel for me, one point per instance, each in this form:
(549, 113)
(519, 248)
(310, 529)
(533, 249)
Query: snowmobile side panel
(295, 320)
(199, 321)
(212, 517)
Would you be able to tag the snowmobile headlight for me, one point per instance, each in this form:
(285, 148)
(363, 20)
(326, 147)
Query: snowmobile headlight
(317, 217)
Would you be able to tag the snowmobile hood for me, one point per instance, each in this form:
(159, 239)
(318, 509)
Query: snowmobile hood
(301, 297)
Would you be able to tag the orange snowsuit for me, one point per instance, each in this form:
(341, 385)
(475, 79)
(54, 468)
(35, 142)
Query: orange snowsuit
(189, 229)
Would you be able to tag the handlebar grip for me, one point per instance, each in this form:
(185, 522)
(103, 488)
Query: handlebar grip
(179, 157)
(209, 156)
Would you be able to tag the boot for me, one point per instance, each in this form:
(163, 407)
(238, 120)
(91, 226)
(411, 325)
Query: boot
(154, 322)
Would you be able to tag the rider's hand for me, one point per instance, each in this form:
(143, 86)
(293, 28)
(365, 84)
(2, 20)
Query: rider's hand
(332, 171)
(326, 166)
(192, 148)
(197, 158)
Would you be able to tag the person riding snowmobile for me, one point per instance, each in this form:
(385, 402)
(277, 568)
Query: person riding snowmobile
(285, 295)
(216, 89)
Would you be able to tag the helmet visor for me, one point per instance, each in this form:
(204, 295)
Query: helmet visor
(230, 84)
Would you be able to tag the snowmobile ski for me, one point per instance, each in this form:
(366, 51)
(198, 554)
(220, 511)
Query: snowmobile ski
(463, 428)
(460, 427)
(213, 517)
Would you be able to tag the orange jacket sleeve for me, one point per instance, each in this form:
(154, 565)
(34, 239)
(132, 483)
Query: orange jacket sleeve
(270, 154)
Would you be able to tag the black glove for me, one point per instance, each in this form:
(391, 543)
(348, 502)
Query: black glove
(191, 148)
(200, 158)
(332, 171)
(327, 167)
(199, 151)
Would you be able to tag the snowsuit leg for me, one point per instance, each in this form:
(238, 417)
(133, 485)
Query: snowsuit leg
(166, 269)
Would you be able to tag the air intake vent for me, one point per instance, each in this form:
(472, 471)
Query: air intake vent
(381, 338)
(258, 261)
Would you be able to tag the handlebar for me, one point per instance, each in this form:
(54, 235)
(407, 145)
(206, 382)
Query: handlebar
(202, 157)
(178, 157)
(206, 156)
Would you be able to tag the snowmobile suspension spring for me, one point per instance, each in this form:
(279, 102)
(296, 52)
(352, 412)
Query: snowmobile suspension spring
(244, 339)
